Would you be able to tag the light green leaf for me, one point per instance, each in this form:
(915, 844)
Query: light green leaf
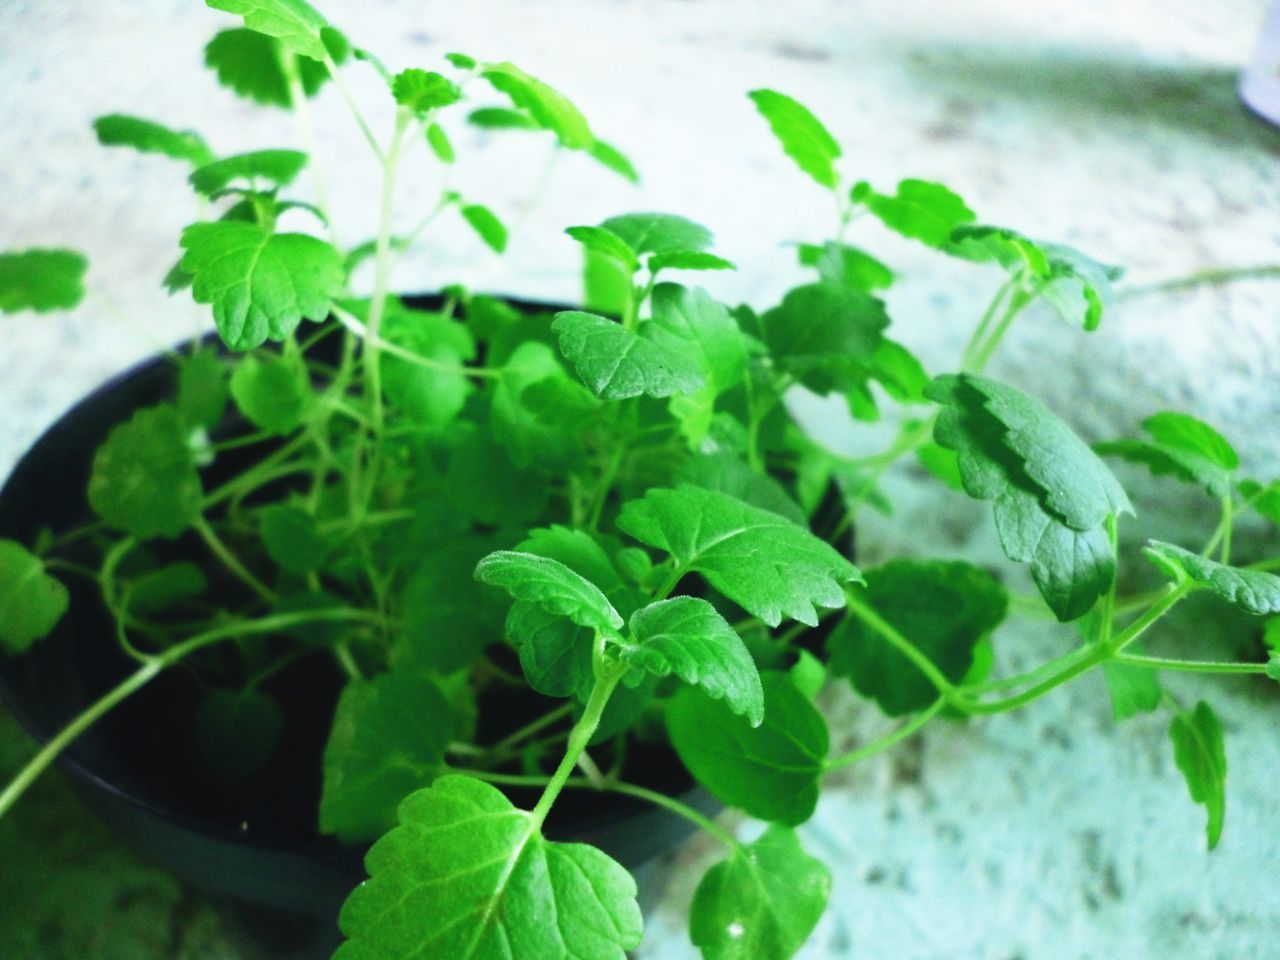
(440, 144)
(551, 585)
(942, 463)
(1199, 753)
(899, 371)
(501, 118)
(279, 167)
(551, 109)
(659, 233)
(260, 285)
(421, 91)
(431, 397)
(610, 156)
(921, 210)
(1265, 500)
(943, 607)
(292, 538)
(237, 731)
(809, 674)
(461, 60)
(687, 260)
(1008, 248)
(770, 771)
(802, 135)
(692, 322)
(847, 266)
(616, 363)
(146, 136)
(272, 391)
(761, 903)
(31, 601)
(295, 23)
(1184, 447)
(144, 479)
(607, 243)
(41, 280)
(388, 739)
(1253, 591)
(486, 225)
(1133, 689)
(202, 389)
(687, 637)
(729, 474)
(467, 876)
(248, 63)
(766, 564)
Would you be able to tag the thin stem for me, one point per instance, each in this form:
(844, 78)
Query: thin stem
(1106, 614)
(1153, 613)
(676, 807)
(529, 729)
(880, 744)
(1228, 505)
(231, 561)
(353, 324)
(984, 324)
(298, 97)
(1212, 277)
(871, 618)
(1070, 671)
(336, 76)
(1018, 299)
(1190, 666)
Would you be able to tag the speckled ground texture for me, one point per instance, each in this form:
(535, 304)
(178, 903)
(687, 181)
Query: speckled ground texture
(1050, 834)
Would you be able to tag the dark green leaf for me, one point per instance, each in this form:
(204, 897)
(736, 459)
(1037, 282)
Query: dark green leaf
(770, 771)
(248, 63)
(659, 233)
(237, 731)
(555, 653)
(295, 23)
(803, 137)
(762, 903)
(146, 136)
(687, 637)
(272, 391)
(144, 479)
(388, 740)
(202, 389)
(616, 363)
(421, 91)
(440, 144)
(449, 618)
(1253, 591)
(551, 109)
(467, 876)
(292, 539)
(825, 335)
(764, 563)
(898, 370)
(430, 396)
(944, 609)
(164, 587)
(924, 211)
(486, 225)
(847, 266)
(31, 601)
(260, 285)
(482, 483)
(41, 280)
(517, 424)
(1199, 753)
(613, 158)
(551, 585)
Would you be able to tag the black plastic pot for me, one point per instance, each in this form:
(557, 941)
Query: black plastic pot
(138, 768)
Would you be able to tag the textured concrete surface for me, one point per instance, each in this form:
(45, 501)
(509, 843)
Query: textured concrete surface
(1044, 835)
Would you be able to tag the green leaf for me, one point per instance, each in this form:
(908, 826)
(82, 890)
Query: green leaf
(144, 479)
(687, 260)
(942, 463)
(616, 363)
(943, 607)
(431, 397)
(1079, 287)
(1184, 447)
(295, 23)
(898, 370)
(687, 637)
(237, 731)
(449, 618)
(516, 421)
(551, 109)
(388, 739)
(694, 323)
(1253, 591)
(41, 280)
(461, 61)
(766, 564)
(468, 876)
(440, 144)
(761, 903)
(727, 473)
(809, 674)
(486, 225)
(248, 63)
(260, 285)
(31, 601)
(802, 135)
(421, 91)
(202, 389)
(164, 587)
(607, 243)
(272, 391)
(1133, 689)
(825, 335)
(292, 538)
(1265, 500)
(146, 136)
(847, 266)
(555, 654)
(501, 118)
(921, 210)
(660, 233)
(770, 771)
(1199, 753)
(279, 167)
(482, 483)
(610, 156)
(1008, 248)
(552, 585)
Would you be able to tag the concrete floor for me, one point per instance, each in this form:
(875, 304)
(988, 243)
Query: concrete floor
(1044, 835)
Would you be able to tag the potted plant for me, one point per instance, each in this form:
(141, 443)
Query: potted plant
(541, 557)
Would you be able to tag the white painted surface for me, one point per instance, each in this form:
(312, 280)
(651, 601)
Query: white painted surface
(1111, 126)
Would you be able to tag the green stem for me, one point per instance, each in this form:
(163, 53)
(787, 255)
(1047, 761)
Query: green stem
(231, 561)
(678, 808)
(529, 729)
(1153, 613)
(1228, 506)
(298, 97)
(871, 618)
(1214, 276)
(1106, 614)
(908, 729)
(341, 87)
(1070, 671)
(984, 324)
(1190, 666)
(982, 355)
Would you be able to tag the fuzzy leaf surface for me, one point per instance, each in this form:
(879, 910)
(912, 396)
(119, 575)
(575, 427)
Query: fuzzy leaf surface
(552, 585)
(1253, 591)
(468, 876)
(616, 363)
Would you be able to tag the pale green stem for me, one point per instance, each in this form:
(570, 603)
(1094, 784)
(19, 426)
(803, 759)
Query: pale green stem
(230, 560)
(879, 745)
(1190, 666)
